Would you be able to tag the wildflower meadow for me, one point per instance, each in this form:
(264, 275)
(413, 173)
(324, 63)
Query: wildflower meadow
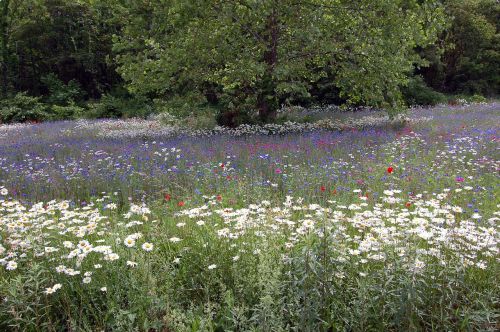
(133, 225)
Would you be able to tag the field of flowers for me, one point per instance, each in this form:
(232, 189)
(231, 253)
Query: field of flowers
(332, 226)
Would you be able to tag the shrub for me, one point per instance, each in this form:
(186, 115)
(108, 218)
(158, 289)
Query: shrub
(22, 108)
(234, 118)
(110, 106)
(61, 93)
(418, 93)
(71, 111)
(196, 121)
(175, 106)
(167, 119)
(201, 120)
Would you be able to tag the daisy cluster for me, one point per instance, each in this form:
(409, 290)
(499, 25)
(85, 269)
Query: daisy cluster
(140, 128)
(415, 232)
(419, 232)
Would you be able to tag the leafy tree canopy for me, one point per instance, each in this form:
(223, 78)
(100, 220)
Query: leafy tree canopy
(251, 54)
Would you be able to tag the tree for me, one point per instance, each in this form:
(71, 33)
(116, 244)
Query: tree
(70, 39)
(250, 54)
(4, 35)
(466, 57)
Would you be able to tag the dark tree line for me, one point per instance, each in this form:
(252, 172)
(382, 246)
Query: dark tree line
(107, 58)
(57, 39)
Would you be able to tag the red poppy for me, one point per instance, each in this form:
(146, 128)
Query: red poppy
(168, 197)
(228, 177)
(390, 169)
(219, 198)
(181, 203)
(222, 165)
(322, 188)
(334, 191)
(408, 204)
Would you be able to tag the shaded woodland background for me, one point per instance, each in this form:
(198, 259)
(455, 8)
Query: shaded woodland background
(66, 59)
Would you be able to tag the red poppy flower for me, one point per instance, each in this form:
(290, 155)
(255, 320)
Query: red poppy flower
(219, 198)
(222, 165)
(408, 204)
(322, 188)
(181, 203)
(334, 191)
(168, 197)
(390, 169)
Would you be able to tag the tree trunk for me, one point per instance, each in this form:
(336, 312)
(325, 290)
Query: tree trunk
(266, 100)
(4, 52)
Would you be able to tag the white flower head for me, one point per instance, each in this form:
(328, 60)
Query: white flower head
(129, 242)
(11, 265)
(146, 246)
(131, 264)
(53, 289)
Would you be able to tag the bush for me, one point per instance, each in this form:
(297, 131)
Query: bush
(61, 93)
(418, 93)
(202, 120)
(176, 106)
(196, 121)
(22, 108)
(167, 119)
(71, 111)
(234, 118)
(110, 106)
(191, 112)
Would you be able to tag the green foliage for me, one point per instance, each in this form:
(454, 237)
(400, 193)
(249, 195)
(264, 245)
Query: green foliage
(236, 58)
(167, 119)
(466, 58)
(466, 99)
(200, 120)
(23, 306)
(60, 93)
(68, 39)
(475, 98)
(22, 108)
(110, 106)
(71, 111)
(258, 54)
(418, 93)
(180, 106)
(189, 111)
